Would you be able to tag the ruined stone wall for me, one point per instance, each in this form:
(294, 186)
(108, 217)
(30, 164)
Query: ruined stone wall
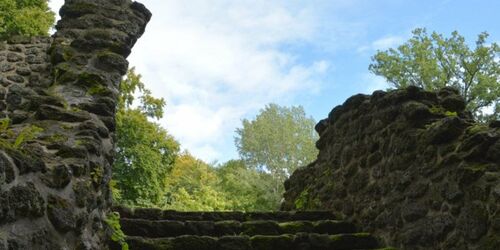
(410, 166)
(59, 95)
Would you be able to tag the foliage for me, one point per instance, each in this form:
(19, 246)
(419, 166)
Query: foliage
(113, 221)
(277, 141)
(27, 133)
(145, 151)
(192, 185)
(433, 62)
(246, 188)
(115, 192)
(7, 135)
(301, 201)
(25, 17)
(149, 172)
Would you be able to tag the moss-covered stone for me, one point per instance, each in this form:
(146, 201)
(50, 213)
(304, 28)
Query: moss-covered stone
(333, 227)
(473, 220)
(194, 242)
(77, 9)
(22, 201)
(281, 242)
(234, 243)
(84, 193)
(55, 83)
(423, 162)
(490, 243)
(229, 227)
(61, 213)
(260, 228)
(58, 177)
(353, 241)
(296, 227)
(111, 61)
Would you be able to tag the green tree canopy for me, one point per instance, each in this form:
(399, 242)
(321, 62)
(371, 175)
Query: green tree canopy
(145, 151)
(247, 189)
(433, 62)
(192, 186)
(278, 141)
(25, 17)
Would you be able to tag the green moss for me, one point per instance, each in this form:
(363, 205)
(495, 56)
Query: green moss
(96, 175)
(94, 83)
(249, 229)
(363, 234)
(336, 237)
(79, 142)
(63, 101)
(105, 53)
(97, 90)
(90, 79)
(68, 53)
(75, 109)
(439, 110)
(450, 113)
(9, 139)
(301, 201)
(295, 226)
(113, 221)
(271, 242)
(56, 138)
(476, 128)
(67, 126)
(315, 203)
(80, 8)
(63, 73)
(478, 167)
(61, 52)
(104, 34)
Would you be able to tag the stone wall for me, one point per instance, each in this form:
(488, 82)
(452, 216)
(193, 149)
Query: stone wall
(59, 95)
(410, 166)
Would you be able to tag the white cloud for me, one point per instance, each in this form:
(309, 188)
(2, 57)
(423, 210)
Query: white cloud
(216, 62)
(387, 42)
(383, 43)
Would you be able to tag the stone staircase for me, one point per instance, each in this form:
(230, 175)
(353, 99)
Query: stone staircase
(154, 229)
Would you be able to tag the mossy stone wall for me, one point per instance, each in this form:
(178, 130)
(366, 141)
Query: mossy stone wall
(409, 165)
(59, 97)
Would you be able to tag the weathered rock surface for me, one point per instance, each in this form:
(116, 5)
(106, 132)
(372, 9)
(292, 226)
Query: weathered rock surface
(314, 230)
(410, 166)
(59, 94)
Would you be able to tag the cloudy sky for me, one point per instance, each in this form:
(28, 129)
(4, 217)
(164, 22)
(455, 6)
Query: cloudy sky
(217, 62)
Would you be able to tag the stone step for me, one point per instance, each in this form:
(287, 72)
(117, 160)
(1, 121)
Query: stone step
(158, 214)
(171, 228)
(300, 241)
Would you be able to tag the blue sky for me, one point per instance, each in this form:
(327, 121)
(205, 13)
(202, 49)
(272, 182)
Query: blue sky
(219, 61)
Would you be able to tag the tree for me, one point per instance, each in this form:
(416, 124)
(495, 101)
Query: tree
(145, 151)
(433, 62)
(246, 189)
(277, 141)
(25, 17)
(192, 186)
